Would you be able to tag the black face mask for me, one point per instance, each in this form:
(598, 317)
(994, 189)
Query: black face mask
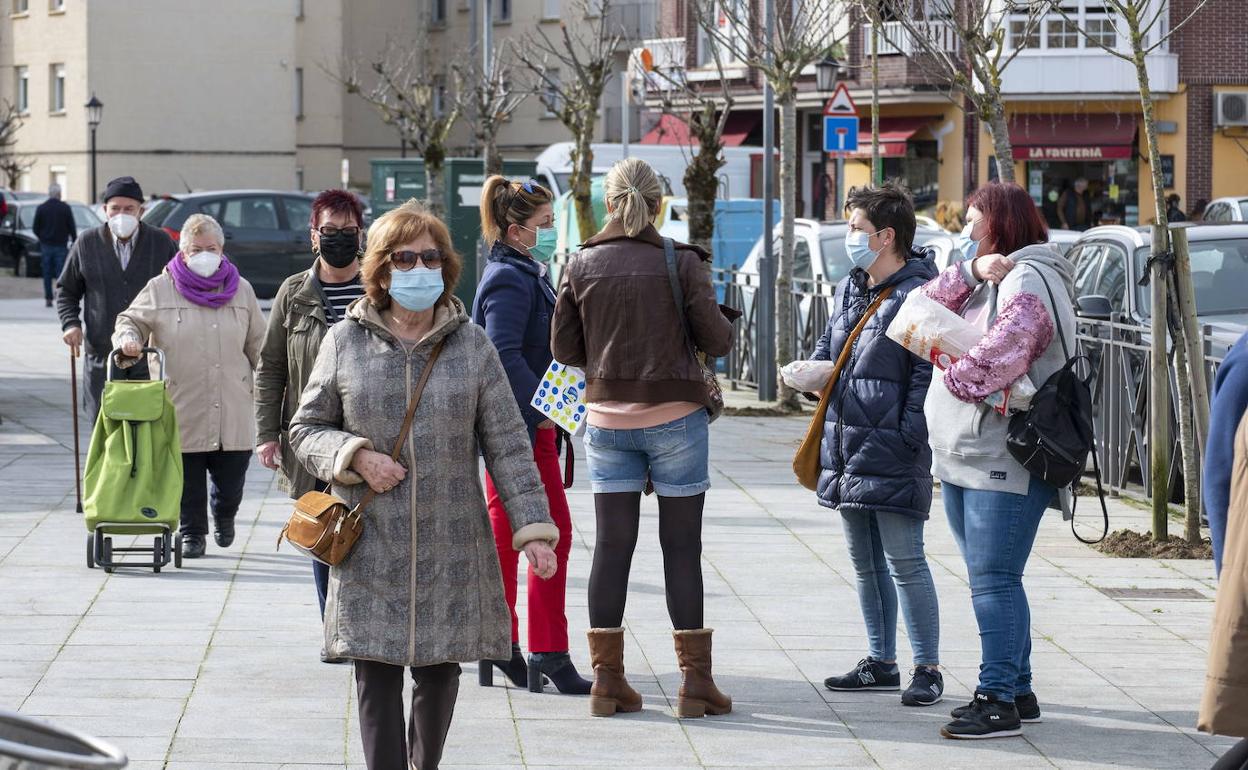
(339, 250)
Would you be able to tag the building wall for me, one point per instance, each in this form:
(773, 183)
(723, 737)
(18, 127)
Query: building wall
(1229, 153)
(319, 132)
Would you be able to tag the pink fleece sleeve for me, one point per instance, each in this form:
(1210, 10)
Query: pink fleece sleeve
(1022, 331)
(949, 288)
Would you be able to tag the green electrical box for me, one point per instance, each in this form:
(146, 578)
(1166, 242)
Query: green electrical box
(396, 181)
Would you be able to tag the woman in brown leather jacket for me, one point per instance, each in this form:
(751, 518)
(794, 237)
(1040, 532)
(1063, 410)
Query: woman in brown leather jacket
(616, 318)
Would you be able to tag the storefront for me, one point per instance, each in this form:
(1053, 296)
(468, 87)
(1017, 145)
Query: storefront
(1059, 149)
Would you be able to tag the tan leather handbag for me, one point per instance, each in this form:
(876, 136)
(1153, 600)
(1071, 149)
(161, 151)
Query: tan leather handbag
(324, 526)
(806, 462)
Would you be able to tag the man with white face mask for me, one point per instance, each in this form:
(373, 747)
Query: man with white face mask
(105, 270)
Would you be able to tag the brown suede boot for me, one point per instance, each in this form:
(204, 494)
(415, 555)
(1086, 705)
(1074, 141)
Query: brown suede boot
(610, 692)
(698, 694)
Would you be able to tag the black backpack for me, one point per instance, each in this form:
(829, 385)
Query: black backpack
(1054, 437)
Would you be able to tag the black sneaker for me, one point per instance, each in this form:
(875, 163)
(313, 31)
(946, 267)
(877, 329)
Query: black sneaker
(1027, 705)
(986, 717)
(870, 674)
(927, 687)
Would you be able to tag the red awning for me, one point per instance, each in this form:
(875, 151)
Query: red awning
(1072, 137)
(672, 130)
(894, 133)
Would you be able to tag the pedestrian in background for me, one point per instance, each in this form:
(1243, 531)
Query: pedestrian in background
(306, 306)
(877, 466)
(647, 424)
(106, 269)
(993, 503)
(514, 304)
(55, 228)
(1174, 211)
(1224, 708)
(205, 317)
(421, 587)
(1074, 210)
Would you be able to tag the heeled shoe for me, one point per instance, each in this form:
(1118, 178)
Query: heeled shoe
(514, 669)
(558, 666)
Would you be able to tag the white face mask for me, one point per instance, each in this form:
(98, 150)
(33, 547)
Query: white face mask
(123, 225)
(204, 264)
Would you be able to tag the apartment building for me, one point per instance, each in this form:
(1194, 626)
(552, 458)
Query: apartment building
(239, 93)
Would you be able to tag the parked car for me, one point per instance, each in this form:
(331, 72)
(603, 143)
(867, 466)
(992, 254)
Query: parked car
(1227, 210)
(266, 231)
(1064, 239)
(18, 243)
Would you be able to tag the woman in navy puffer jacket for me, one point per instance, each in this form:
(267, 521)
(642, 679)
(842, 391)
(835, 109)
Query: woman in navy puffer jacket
(875, 457)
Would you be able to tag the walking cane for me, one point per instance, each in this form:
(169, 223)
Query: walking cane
(73, 389)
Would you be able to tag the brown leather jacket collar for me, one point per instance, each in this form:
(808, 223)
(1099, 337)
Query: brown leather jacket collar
(614, 231)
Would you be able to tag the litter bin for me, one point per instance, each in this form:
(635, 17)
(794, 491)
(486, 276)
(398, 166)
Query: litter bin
(32, 744)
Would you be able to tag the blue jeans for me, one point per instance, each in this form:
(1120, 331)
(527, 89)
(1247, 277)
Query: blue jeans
(674, 455)
(52, 263)
(887, 548)
(995, 532)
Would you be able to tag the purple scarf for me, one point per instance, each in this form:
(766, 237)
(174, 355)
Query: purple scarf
(215, 291)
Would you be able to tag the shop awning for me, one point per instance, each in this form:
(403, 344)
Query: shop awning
(894, 133)
(1072, 137)
(672, 130)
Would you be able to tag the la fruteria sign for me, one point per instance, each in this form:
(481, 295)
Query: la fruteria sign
(1093, 152)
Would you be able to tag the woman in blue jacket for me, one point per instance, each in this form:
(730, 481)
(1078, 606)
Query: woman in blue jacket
(514, 303)
(875, 458)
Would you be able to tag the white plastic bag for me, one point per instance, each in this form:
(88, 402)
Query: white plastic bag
(807, 376)
(932, 331)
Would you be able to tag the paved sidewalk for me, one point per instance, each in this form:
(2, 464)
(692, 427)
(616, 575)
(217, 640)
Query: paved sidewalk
(215, 666)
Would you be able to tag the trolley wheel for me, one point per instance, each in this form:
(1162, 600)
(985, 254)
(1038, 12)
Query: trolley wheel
(160, 550)
(177, 551)
(107, 555)
(91, 551)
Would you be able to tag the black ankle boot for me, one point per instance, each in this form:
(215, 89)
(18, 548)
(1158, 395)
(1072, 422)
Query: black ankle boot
(513, 669)
(559, 667)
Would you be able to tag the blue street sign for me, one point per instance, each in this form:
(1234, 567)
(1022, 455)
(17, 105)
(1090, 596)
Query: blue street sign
(840, 133)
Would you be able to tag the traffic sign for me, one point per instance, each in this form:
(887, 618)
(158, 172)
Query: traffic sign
(841, 102)
(840, 133)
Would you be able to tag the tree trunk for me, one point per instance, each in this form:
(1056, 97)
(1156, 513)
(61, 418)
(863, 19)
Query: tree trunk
(788, 212)
(582, 173)
(1191, 462)
(702, 179)
(434, 185)
(1000, 131)
(877, 166)
(493, 158)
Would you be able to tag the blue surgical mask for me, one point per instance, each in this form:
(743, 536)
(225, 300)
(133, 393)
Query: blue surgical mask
(416, 289)
(966, 244)
(860, 253)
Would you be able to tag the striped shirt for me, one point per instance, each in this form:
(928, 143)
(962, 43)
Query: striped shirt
(339, 295)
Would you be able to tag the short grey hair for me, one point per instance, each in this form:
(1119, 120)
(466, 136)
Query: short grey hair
(200, 224)
(54, 190)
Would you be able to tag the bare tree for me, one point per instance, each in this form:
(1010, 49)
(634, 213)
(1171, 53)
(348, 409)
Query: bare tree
(569, 73)
(495, 99)
(421, 96)
(806, 31)
(1142, 24)
(704, 106)
(966, 46)
(12, 166)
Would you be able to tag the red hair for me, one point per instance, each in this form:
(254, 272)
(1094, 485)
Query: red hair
(337, 202)
(1012, 218)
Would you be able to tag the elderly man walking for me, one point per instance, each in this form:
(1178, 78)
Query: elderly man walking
(105, 271)
(54, 227)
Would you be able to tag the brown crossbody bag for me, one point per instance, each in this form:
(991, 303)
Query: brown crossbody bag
(324, 526)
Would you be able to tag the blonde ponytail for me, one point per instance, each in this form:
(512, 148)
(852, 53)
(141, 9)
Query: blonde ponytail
(490, 224)
(633, 194)
(505, 203)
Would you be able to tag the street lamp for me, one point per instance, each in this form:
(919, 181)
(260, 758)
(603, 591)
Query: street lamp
(827, 73)
(95, 112)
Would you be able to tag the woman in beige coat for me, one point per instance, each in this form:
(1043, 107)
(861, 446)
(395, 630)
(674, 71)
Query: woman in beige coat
(205, 318)
(422, 587)
(1224, 710)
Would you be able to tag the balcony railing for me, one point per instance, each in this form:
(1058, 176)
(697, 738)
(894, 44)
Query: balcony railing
(634, 21)
(895, 40)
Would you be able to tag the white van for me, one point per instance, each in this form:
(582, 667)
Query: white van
(554, 165)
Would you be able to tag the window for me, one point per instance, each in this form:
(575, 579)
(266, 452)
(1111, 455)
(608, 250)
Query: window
(59, 176)
(1101, 32)
(21, 7)
(249, 213)
(298, 93)
(550, 9)
(1087, 261)
(1062, 33)
(439, 99)
(1113, 280)
(550, 95)
(502, 10)
(298, 210)
(1219, 272)
(1218, 212)
(732, 35)
(1024, 34)
(437, 11)
(56, 91)
(23, 90)
(56, 6)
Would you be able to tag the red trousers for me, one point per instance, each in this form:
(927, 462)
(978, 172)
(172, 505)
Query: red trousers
(548, 625)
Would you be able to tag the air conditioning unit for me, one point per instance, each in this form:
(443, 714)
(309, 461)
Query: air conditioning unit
(1231, 108)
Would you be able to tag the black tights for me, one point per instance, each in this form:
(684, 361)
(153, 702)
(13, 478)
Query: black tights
(1235, 759)
(680, 535)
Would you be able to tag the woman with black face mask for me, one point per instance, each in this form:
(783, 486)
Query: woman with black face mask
(306, 305)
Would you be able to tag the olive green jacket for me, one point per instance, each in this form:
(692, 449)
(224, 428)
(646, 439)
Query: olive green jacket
(297, 325)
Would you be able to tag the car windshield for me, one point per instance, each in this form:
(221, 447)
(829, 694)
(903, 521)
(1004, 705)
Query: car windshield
(1219, 274)
(85, 218)
(158, 211)
(26, 217)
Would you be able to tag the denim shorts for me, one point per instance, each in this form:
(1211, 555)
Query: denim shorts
(675, 454)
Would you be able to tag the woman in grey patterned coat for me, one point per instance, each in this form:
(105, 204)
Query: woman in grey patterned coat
(422, 587)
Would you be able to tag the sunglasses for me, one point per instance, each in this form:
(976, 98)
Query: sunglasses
(329, 231)
(529, 187)
(406, 260)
